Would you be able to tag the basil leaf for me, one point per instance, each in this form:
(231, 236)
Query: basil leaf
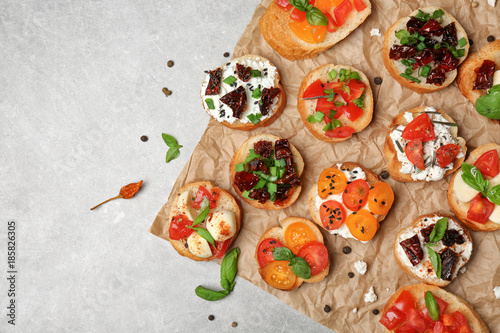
(494, 194)
(204, 208)
(438, 230)
(300, 267)
(300, 4)
(229, 268)
(210, 295)
(256, 93)
(316, 17)
(435, 261)
(172, 154)
(473, 177)
(432, 306)
(489, 104)
(402, 33)
(282, 253)
(203, 234)
(169, 140)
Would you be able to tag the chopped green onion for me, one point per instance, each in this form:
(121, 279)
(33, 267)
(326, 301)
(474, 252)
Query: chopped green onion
(421, 46)
(425, 71)
(311, 119)
(338, 103)
(256, 93)
(405, 62)
(412, 61)
(402, 33)
(272, 187)
(229, 80)
(245, 195)
(399, 147)
(346, 89)
(273, 196)
(444, 123)
(409, 40)
(332, 75)
(240, 167)
(458, 53)
(408, 71)
(360, 102)
(462, 42)
(437, 14)
(422, 16)
(254, 118)
(354, 75)
(332, 113)
(273, 171)
(280, 163)
(327, 127)
(342, 75)
(210, 103)
(255, 73)
(319, 116)
(252, 156)
(328, 91)
(406, 76)
(260, 184)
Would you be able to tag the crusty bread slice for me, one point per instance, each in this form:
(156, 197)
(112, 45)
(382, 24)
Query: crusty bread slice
(226, 201)
(274, 27)
(244, 151)
(307, 107)
(390, 153)
(276, 109)
(400, 260)
(394, 67)
(279, 234)
(371, 179)
(460, 208)
(455, 303)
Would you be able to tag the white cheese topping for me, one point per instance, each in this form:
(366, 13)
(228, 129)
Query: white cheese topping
(462, 270)
(223, 112)
(355, 310)
(495, 215)
(222, 225)
(370, 296)
(361, 267)
(496, 290)
(198, 246)
(424, 268)
(492, 3)
(496, 78)
(184, 205)
(375, 32)
(464, 192)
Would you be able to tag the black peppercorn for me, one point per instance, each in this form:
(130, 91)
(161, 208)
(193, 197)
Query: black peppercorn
(375, 312)
(327, 308)
(211, 317)
(144, 138)
(384, 174)
(346, 249)
(170, 63)
(377, 80)
(350, 275)
(226, 54)
(490, 38)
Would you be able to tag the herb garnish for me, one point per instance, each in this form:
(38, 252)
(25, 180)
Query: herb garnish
(435, 236)
(174, 148)
(299, 265)
(473, 177)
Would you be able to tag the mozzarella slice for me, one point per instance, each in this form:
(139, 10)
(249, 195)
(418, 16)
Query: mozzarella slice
(495, 215)
(222, 225)
(495, 181)
(183, 205)
(496, 78)
(464, 192)
(198, 246)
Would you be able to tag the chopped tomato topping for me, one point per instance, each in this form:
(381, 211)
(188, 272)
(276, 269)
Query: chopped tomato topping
(220, 248)
(415, 153)
(284, 4)
(405, 301)
(177, 229)
(340, 132)
(392, 318)
(351, 111)
(488, 163)
(415, 320)
(420, 128)
(298, 15)
(315, 89)
(359, 5)
(331, 27)
(480, 209)
(356, 89)
(204, 193)
(342, 11)
(446, 154)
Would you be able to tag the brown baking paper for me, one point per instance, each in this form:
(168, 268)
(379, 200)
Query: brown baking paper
(211, 157)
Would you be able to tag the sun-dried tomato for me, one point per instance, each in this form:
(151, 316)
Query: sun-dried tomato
(484, 78)
(126, 192)
(426, 232)
(282, 149)
(430, 43)
(452, 236)
(422, 59)
(268, 94)
(402, 52)
(291, 179)
(412, 248)
(261, 195)
(431, 29)
(263, 148)
(243, 72)
(245, 181)
(258, 165)
(450, 34)
(213, 87)
(283, 195)
(436, 76)
(236, 100)
(449, 260)
(449, 62)
(414, 25)
(438, 54)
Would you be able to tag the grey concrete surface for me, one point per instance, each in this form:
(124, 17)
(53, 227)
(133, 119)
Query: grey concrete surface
(80, 83)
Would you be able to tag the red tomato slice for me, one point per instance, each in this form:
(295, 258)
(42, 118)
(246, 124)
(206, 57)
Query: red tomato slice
(355, 195)
(220, 248)
(265, 252)
(331, 27)
(459, 319)
(298, 15)
(202, 193)
(177, 229)
(342, 11)
(415, 320)
(284, 4)
(415, 153)
(438, 327)
(488, 163)
(324, 106)
(351, 111)
(315, 89)
(480, 209)
(420, 128)
(340, 132)
(356, 89)
(442, 308)
(332, 214)
(392, 318)
(316, 255)
(447, 154)
(405, 302)
(359, 5)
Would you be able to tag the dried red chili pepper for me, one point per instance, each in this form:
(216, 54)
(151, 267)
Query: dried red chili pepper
(126, 192)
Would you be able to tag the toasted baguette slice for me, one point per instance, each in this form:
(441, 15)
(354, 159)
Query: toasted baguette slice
(427, 275)
(308, 107)
(371, 179)
(460, 208)
(243, 123)
(455, 303)
(390, 153)
(279, 234)
(242, 153)
(274, 27)
(394, 67)
(226, 201)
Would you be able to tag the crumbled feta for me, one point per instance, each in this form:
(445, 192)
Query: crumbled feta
(462, 270)
(496, 290)
(375, 32)
(370, 296)
(355, 310)
(408, 116)
(492, 3)
(387, 289)
(361, 267)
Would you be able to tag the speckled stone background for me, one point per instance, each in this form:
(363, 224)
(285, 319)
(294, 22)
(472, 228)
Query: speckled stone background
(80, 83)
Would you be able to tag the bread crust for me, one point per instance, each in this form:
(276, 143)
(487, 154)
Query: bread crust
(455, 303)
(274, 27)
(392, 67)
(435, 280)
(371, 179)
(279, 234)
(460, 208)
(226, 201)
(390, 153)
(242, 153)
(307, 107)
(277, 108)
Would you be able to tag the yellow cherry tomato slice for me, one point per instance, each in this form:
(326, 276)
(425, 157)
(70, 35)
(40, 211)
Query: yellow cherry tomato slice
(362, 224)
(323, 5)
(380, 198)
(297, 234)
(311, 34)
(279, 275)
(331, 181)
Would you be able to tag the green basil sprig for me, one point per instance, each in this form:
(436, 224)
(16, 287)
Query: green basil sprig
(204, 209)
(489, 104)
(438, 231)
(203, 234)
(282, 253)
(174, 148)
(494, 194)
(473, 177)
(228, 270)
(435, 261)
(299, 265)
(432, 306)
(301, 5)
(314, 16)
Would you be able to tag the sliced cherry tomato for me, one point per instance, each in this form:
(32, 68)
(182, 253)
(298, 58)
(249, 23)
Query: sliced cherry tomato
(331, 181)
(447, 154)
(420, 128)
(298, 15)
(279, 275)
(332, 214)
(342, 11)
(265, 251)
(336, 86)
(442, 308)
(331, 27)
(340, 132)
(415, 153)
(308, 33)
(480, 209)
(405, 301)
(380, 198)
(415, 320)
(315, 89)
(351, 111)
(448, 320)
(359, 5)
(297, 234)
(323, 5)
(362, 225)
(215, 192)
(202, 193)
(405, 329)
(488, 163)
(355, 195)
(316, 255)
(220, 248)
(356, 89)
(324, 106)
(284, 4)
(392, 318)
(460, 319)
(177, 229)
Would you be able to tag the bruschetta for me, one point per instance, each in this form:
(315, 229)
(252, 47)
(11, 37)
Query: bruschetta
(245, 93)
(423, 50)
(335, 101)
(423, 145)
